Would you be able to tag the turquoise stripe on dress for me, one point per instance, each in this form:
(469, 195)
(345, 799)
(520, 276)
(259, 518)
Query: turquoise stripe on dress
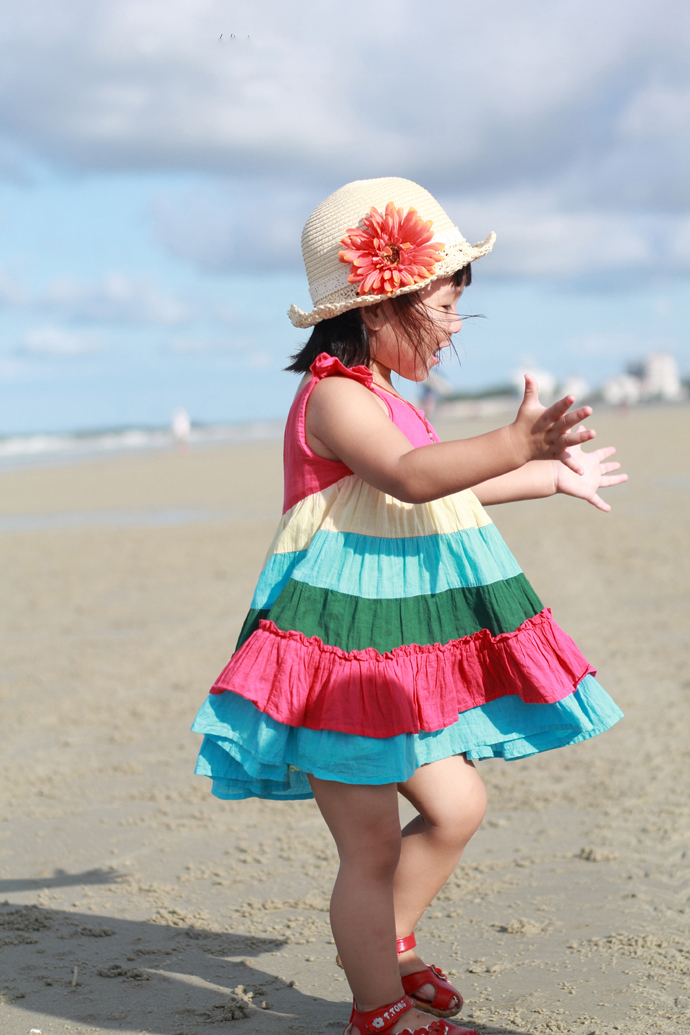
(248, 754)
(373, 567)
(274, 578)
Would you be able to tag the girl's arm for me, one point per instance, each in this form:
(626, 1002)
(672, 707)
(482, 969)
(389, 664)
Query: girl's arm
(534, 481)
(345, 421)
(538, 479)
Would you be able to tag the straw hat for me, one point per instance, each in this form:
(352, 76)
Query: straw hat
(377, 239)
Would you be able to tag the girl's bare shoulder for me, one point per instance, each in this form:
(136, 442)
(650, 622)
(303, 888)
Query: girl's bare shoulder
(333, 396)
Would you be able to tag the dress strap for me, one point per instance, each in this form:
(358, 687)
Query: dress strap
(327, 366)
(330, 366)
(402, 413)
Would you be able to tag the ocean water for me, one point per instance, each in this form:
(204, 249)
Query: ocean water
(48, 449)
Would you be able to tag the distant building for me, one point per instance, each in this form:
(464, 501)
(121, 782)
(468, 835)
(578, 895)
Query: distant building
(546, 382)
(661, 379)
(624, 390)
(656, 377)
(575, 385)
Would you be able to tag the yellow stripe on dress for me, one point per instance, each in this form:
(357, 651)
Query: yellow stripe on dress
(352, 505)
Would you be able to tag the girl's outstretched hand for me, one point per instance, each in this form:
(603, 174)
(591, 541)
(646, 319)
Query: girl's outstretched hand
(595, 475)
(544, 433)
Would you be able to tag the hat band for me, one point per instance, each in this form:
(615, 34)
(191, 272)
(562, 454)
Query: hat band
(321, 289)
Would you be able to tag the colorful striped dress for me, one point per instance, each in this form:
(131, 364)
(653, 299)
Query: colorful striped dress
(385, 635)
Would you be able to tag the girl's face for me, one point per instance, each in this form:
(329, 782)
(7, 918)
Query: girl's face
(389, 346)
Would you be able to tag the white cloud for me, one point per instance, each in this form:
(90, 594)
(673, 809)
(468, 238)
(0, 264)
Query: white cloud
(680, 244)
(118, 82)
(537, 237)
(259, 360)
(12, 368)
(117, 298)
(50, 340)
(193, 344)
(657, 111)
(239, 226)
(197, 343)
(493, 91)
(12, 293)
(581, 107)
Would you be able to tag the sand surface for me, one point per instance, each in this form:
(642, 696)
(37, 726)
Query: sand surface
(133, 901)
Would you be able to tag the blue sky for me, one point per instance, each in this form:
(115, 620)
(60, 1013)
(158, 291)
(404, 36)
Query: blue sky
(154, 180)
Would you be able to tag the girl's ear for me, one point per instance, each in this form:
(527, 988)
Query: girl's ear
(373, 317)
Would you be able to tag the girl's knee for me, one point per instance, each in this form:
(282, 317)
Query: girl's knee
(461, 818)
(477, 808)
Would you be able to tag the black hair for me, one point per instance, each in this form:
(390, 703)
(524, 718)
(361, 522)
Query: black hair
(347, 337)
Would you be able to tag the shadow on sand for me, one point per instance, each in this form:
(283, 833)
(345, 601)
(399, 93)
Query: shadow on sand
(167, 978)
(60, 879)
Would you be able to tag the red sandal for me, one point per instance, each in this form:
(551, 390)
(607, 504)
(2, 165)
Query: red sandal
(380, 1021)
(442, 1003)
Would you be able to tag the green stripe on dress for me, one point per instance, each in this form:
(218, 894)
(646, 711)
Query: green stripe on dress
(356, 623)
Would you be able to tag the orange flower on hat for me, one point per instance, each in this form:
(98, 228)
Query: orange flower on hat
(390, 251)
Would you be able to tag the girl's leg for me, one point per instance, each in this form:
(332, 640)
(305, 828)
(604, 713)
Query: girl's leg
(365, 825)
(451, 800)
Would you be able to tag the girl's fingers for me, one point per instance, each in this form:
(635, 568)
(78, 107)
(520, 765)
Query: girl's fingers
(605, 468)
(599, 503)
(561, 427)
(577, 415)
(574, 417)
(531, 395)
(570, 435)
(615, 479)
(570, 462)
(555, 412)
(576, 438)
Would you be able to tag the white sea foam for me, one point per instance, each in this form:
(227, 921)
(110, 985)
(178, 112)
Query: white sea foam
(38, 449)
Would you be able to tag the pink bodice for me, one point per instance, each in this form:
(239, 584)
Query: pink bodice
(305, 471)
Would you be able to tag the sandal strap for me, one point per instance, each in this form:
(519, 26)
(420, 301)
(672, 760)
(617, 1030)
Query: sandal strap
(380, 1021)
(404, 944)
(401, 945)
(444, 993)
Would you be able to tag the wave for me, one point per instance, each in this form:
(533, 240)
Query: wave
(24, 450)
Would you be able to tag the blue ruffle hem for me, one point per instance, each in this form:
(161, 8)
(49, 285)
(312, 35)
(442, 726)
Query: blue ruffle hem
(248, 754)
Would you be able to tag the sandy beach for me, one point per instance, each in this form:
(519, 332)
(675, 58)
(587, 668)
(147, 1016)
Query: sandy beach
(132, 901)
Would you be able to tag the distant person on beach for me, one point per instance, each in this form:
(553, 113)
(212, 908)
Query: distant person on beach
(393, 639)
(181, 427)
(433, 388)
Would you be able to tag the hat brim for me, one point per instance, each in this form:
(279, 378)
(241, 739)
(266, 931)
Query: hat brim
(327, 310)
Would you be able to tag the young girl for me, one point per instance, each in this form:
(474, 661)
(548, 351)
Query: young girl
(392, 638)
